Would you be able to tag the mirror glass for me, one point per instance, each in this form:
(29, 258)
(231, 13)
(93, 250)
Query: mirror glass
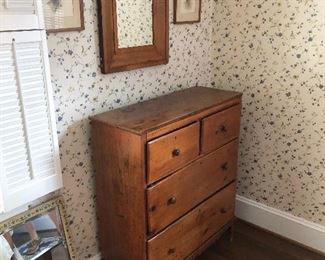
(41, 237)
(134, 23)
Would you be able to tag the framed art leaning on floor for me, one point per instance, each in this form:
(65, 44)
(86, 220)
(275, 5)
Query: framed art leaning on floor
(39, 232)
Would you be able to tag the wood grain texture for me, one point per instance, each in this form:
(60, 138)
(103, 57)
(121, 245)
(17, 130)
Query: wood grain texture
(205, 246)
(120, 192)
(190, 186)
(147, 158)
(170, 152)
(251, 242)
(187, 234)
(114, 59)
(220, 128)
(156, 113)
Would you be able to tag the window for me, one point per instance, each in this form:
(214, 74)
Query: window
(29, 155)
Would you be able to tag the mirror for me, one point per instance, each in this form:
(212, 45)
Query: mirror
(133, 34)
(134, 23)
(39, 233)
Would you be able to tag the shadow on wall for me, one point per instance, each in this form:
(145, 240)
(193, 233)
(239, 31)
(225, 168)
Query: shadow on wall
(78, 180)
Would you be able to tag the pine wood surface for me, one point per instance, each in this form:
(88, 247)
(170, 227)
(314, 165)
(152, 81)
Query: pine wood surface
(140, 146)
(176, 195)
(172, 151)
(156, 113)
(188, 233)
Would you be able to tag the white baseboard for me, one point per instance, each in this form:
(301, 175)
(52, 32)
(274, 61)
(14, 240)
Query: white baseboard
(95, 257)
(282, 223)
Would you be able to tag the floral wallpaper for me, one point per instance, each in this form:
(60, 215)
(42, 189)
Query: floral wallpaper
(81, 91)
(273, 51)
(134, 23)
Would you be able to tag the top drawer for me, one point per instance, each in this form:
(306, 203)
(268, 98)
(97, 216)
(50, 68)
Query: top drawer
(169, 152)
(220, 128)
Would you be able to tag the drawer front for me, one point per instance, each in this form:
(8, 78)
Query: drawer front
(187, 234)
(172, 151)
(173, 197)
(220, 128)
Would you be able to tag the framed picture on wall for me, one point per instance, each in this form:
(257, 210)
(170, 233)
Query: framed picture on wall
(187, 11)
(63, 15)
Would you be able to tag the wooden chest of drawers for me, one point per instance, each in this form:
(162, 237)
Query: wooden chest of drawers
(165, 174)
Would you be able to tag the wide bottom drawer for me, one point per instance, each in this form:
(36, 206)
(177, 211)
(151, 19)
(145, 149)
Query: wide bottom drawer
(187, 234)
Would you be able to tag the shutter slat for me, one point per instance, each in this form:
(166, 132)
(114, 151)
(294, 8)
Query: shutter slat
(34, 103)
(42, 149)
(32, 79)
(7, 98)
(11, 134)
(43, 156)
(17, 182)
(37, 122)
(39, 132)
(7, 71)
(8, 128)
(11, 154)
(43, 164)
(31, 65)
(10, 149)
(46, 172)
(9, 121)
(9, 109)
(40, 145)
(17, 178)
(19, 166)
(42, 139)
(5, 89)
(13, 160)
(13, 141)
(29, 71)
(38, 127)
(9, 115)
(7, 82)
(33, 99)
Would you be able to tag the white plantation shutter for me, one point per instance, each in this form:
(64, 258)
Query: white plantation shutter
(29, 158)
(21, 15)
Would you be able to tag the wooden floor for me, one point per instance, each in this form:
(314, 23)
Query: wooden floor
(251, 243)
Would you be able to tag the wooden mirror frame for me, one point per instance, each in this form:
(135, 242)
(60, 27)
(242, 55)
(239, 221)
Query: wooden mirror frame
(114, 59)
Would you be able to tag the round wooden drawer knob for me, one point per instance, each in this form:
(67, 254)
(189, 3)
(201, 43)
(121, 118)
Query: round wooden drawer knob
(176, 152)
(171, 201)
(223, 129)
(224, 166)
(223, 211)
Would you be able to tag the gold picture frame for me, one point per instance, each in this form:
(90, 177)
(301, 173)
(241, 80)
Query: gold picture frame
(187, 11)
(63, 15)
(38, 211)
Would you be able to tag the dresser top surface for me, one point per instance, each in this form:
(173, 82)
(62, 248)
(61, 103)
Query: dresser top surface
(148, 115)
